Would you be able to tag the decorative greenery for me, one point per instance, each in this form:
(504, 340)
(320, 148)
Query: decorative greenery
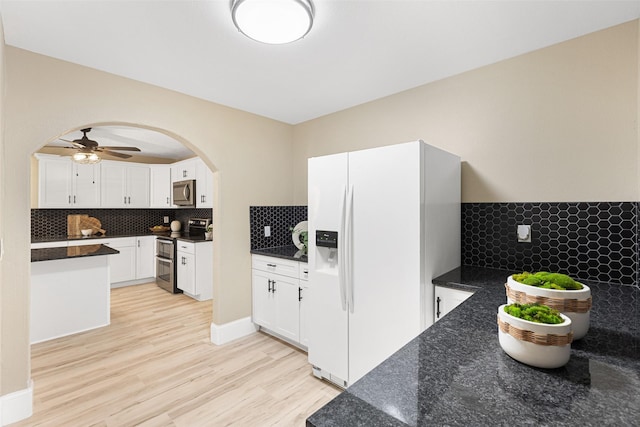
(543, 279)
(534, 313)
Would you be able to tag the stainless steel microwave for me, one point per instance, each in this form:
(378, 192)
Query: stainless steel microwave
(184, 193)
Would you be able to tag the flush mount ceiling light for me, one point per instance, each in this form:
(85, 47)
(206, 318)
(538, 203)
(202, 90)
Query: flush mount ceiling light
(85, 158)
(273, 21)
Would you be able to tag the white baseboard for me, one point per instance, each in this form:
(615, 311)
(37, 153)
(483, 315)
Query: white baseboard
(17, 406)
(222, 334)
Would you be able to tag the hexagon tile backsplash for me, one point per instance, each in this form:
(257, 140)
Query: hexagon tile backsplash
(591, 241)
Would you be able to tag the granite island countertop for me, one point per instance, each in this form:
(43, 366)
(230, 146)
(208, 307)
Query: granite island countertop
(455, 373)
(67, 252)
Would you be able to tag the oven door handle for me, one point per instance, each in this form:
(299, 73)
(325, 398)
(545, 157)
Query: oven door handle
(162, 259)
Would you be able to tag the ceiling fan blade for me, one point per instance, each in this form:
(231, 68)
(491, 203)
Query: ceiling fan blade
(120, 148)
(59, 146)
(114, 154)
(75, 143)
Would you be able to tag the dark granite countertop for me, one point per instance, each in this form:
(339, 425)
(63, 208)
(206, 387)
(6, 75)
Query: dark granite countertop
(179, 236)
(455, 373)
(287, 252)
(66, 252)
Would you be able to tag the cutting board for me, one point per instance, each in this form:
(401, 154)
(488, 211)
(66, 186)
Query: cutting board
(92, 223)
(73, 224)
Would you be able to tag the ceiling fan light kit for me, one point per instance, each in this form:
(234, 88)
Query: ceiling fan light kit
(85, 158)
(273, 21)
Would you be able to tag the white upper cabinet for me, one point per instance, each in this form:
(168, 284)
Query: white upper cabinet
(183, 170)
(204, 185)
(160, 186)
(125, 185)
(64, 184)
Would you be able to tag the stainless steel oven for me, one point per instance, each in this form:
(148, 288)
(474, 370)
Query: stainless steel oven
(165, 264)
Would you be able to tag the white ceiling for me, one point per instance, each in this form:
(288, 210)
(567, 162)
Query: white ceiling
(357, 51)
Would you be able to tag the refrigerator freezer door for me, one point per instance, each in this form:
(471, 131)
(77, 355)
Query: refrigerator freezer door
(386, 231)
(328, 321)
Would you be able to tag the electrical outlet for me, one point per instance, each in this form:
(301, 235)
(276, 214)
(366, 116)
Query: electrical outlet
(267, 231)
(166, 220)
(524, 233)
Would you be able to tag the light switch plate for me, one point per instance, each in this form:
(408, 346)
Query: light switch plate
(267, 231)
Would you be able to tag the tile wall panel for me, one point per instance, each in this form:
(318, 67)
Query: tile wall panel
(53, 222)
(590, 241)
(280, 219)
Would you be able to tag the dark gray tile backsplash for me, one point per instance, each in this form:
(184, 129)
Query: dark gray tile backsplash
(279, 218)
(53, 222)
(591, 241)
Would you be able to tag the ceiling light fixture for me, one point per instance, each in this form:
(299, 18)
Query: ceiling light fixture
(85, 158)
(273, 21)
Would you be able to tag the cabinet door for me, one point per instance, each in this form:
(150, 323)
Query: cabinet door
(137, 187)
(123, 265)
(160, 186)
(86, 185)
(185, 169)
(145, 257)
(204, 185)
(447, 299)
(113, 185)
(186, 272)
(287, 311)
(304, 313)
(263, 313)
(55, 186)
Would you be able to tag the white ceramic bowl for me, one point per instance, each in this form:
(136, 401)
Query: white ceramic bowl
(86, 231)
(579, 321)
(540, 356)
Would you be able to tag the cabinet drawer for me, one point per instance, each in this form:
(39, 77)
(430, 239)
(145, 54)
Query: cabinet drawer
(304, 271)
(275, 265)
(188, 247)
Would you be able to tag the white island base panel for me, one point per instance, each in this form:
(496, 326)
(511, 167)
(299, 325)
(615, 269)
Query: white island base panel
(69, 296)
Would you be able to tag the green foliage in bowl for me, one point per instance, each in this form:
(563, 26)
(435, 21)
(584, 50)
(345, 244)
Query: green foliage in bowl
(543, 279)
(534, 313)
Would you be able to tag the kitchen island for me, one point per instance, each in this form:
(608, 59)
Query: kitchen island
(70, 290)
(455, 373)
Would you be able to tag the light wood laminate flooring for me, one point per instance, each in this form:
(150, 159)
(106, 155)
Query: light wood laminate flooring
(155, 366)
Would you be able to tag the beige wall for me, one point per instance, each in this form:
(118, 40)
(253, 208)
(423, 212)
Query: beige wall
(5, 357)
(250, 157)
(558, 124)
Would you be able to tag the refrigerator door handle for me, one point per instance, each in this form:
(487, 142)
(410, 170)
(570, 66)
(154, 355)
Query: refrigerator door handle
(341, 251)
(349, 250)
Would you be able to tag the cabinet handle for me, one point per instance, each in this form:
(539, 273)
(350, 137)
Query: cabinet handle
(129, 200)
(184, 173)
(138, 243)
(74, 200)
(125, 200)
(273, 286)
(299, 293)
(167, 200)
(437, 307)
(69, 199)
(272, 265)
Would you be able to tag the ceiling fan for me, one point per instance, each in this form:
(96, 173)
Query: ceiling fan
(88, 149)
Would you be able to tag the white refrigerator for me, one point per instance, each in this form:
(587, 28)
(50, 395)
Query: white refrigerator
(382, 223)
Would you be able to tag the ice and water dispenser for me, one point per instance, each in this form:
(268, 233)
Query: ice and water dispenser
(327, 250)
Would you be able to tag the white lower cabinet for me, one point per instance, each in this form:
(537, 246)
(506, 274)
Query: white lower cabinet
(278, 306)
(446, 299)
(304, 310)
(194, 272)
(135, 262)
